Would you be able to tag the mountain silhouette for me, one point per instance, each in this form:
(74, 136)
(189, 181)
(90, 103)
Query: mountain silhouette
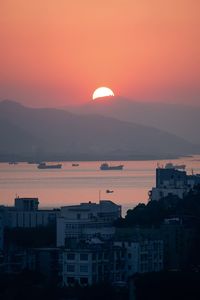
(58, 134)
(181, 120)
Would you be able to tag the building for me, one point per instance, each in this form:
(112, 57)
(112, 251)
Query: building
(176, 239)
(172, 180)
(87, 220)
(26, 204)
(142, 256)
(91, 262)
(46, 261)
(1, 231)
(26, 214)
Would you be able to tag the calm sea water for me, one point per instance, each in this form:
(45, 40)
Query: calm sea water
(72, 185)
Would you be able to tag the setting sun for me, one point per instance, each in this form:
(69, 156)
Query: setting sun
(102, 92)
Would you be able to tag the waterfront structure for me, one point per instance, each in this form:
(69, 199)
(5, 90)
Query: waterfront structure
(171, 180)
(87, 220)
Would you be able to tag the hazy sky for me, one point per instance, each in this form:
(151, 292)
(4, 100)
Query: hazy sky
(56, 52)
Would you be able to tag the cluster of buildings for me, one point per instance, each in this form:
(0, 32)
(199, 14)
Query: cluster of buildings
(88, 247)
(172, 180)
(86, 250)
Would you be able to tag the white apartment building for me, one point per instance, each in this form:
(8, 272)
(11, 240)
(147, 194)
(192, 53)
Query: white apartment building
(142, 256)
(172, 181)
(92, 263)
(87, 220)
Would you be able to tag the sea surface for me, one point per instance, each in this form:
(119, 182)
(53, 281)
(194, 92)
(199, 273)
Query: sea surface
(86, 182)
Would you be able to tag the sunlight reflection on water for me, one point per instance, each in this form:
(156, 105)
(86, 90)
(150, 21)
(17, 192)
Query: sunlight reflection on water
(72, 185)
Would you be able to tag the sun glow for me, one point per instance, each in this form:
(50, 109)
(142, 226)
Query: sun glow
(102, 92)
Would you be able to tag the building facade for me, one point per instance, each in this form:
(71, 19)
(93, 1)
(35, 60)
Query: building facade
(87, 220)
(142, 256)
(90, 263)
(170, 180)
(26, 214)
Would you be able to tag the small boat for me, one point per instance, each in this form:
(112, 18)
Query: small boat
(109, 191)
(43, 165)
(106, 167)
(33, 162)
(75, 165)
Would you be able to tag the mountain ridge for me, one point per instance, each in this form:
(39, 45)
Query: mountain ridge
(182, 120)
(57, 133)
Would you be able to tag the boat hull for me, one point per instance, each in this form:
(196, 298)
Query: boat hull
(59, 166)
(108, 168)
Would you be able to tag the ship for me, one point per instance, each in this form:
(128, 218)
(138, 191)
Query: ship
(43, 165)
(109, 191)
(106, 167)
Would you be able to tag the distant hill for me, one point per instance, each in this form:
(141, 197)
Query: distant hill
(57, 134)
(181, 120)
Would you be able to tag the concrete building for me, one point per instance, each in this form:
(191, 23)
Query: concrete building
(26, 204)
(178, 239)
(87, 220)
(1, 231)
(89, 263)
(171, 180)
(142, 256)
(47, 261)
(26, 214)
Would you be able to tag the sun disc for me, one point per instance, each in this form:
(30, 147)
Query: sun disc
(102, 92)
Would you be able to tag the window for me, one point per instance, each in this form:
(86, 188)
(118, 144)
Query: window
(129, 255)
(70, 268)
(94, 267)
(70, 280)
(83, 256)
(84, 280)
(83, 268)
(100, 255)
(70, 256)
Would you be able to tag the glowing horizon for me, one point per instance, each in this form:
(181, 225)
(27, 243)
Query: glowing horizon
(57, 53)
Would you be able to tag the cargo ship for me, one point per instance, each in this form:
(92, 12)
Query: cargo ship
(43, 165)
(106, 167)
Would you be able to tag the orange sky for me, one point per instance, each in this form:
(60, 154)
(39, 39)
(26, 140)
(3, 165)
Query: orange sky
(56, 52)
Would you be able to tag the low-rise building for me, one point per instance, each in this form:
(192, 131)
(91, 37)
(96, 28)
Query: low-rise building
(87, 220)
